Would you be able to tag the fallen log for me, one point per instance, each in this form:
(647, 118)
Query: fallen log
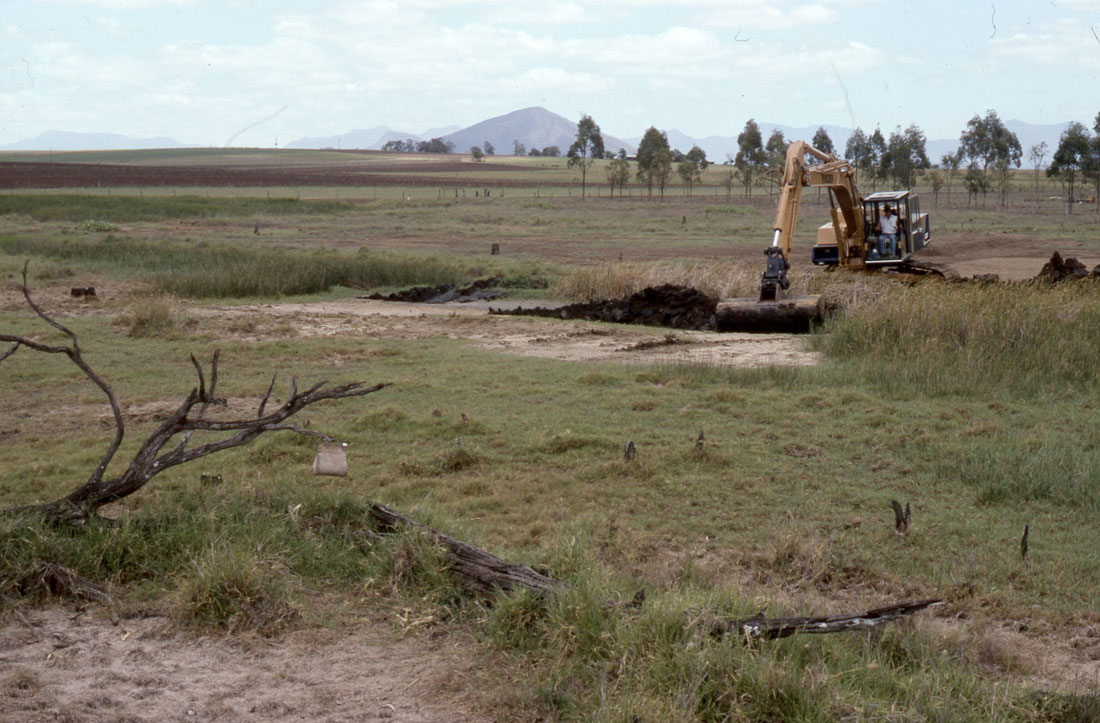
(759, 626)
(482, 572)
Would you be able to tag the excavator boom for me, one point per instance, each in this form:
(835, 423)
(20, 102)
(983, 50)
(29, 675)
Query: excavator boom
(775, 310)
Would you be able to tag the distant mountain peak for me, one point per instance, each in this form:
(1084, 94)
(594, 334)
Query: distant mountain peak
(534, 127)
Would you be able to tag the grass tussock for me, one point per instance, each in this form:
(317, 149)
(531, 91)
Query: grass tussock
(958, 338)
(237, 562)
(226, 557)
(94, 225)
(234, 589)
(151, 318)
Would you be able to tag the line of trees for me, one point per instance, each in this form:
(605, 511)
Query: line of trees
(988, 151)
(1076, 160)
(435, 145)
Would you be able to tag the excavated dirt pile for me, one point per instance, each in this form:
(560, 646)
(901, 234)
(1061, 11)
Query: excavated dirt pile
(483, 290)
(1058, 269)
(676, 307)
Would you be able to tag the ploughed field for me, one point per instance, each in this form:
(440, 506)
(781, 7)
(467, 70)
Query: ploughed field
(103, 175)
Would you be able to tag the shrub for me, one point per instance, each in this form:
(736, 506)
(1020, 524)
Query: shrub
(153, 318)
(97, 225)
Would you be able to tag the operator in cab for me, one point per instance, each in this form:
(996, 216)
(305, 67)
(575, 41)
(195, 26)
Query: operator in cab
(887, 230)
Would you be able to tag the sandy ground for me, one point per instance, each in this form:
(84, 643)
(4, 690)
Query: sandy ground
(524, 336)
(58, 665)
(1010, 257)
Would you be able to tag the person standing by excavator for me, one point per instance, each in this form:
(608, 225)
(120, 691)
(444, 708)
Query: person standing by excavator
(887, 230)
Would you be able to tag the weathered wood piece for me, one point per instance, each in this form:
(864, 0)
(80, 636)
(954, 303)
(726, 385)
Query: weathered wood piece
(482, 572)
(901, 517)
(759, 626)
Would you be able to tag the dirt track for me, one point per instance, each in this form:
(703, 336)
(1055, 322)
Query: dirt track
(522, 336)
(56, 664)
(1011, 257)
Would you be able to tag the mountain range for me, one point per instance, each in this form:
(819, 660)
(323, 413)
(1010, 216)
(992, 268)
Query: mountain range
(534, 128)
(67, 141)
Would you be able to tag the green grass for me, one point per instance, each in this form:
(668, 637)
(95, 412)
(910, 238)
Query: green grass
(975, 404)
(957, 339)
(209, 271)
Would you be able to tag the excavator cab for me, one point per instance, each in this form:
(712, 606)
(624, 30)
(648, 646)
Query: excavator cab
(913, 231)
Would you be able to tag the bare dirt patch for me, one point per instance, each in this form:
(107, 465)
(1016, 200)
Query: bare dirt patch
(56, 297)
(1011, 257)
(523, 336)
(57, 665)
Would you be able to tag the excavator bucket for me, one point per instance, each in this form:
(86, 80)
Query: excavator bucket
(774, 312)
(790, 315)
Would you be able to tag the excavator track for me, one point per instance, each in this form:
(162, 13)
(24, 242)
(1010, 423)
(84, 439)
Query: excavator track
(917, 270)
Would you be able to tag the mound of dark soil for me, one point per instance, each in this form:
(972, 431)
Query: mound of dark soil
(676, 307)
(485, 289)
(1059, 269)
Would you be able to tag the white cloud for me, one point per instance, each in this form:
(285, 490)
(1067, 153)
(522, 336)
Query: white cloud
(556, 78)
(110, 26)
(1050, 45)
(122, 4)
(752, 16)
(675, 52)
(542, 14)
(1078, 5)
(812, 15)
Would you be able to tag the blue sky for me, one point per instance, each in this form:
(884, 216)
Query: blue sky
(255, 73)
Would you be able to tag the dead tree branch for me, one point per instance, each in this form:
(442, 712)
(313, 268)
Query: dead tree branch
(72, 351)
(759, 626)
(151, 459)
(484, 573)
(480, 571)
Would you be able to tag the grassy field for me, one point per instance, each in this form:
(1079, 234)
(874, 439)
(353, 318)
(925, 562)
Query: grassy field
(559, 230)
(974, 403)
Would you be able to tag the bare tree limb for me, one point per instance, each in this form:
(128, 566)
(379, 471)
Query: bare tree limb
(73, 352)
(267, 395)
(759, 626)
(9, 352)
(202, 379)
(150, 459)
(481, 571)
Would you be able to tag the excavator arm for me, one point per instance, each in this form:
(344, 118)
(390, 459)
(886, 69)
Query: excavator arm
(774, 310)
(832, 173)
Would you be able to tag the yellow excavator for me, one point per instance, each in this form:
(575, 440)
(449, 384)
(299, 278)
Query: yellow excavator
(851, 240)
